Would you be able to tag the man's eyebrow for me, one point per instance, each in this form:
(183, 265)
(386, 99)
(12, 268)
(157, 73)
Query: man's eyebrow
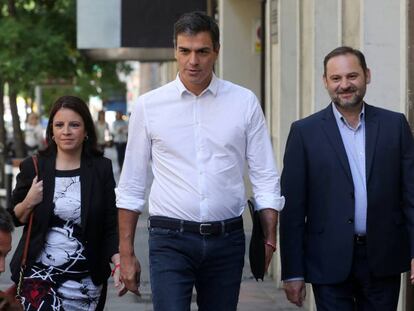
(204, 48)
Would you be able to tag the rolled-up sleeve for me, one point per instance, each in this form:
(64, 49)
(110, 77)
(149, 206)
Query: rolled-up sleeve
(130, 193)
(263, 173)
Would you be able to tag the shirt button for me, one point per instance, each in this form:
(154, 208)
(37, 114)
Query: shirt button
(350, 220)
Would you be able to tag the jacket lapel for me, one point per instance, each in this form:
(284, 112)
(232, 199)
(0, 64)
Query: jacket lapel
(371, 134)
(331, 130)
(86, 188)
(47, 174)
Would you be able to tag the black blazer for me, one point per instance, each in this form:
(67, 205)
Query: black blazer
(317, 222)
(98, 212)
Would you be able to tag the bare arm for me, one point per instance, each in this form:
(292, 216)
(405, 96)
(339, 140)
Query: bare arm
(130, 267)
(268, 218)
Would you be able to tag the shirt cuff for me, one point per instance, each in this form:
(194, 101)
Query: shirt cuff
(294, 279)
(269, 201)
(128, 202)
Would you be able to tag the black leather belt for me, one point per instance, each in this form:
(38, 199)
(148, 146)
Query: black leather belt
(203, 228)
(360, 239)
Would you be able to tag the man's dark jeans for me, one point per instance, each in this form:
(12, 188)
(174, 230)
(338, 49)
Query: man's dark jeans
(211, 263)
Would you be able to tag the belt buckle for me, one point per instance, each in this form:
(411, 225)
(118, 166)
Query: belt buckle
(204, 226)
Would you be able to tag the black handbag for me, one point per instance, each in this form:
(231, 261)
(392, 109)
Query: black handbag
(257, 245)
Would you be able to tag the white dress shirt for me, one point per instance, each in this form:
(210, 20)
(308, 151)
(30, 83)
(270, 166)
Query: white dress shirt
(197, 147)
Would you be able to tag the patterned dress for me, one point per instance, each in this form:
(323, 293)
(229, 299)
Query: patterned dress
(60, 280)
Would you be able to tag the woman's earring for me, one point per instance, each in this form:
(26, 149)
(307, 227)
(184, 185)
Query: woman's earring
(86, 137)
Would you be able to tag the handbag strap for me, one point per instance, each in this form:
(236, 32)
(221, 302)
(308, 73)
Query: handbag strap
(29, 226)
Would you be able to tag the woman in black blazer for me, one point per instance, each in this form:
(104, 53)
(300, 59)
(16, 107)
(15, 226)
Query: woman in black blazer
(74, 235)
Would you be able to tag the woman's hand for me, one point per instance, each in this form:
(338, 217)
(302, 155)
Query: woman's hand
(35, 194)
(33, 197)
(116, 274)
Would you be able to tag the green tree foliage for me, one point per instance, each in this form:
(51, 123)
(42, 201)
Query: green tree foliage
(34, 47)
(38, 47)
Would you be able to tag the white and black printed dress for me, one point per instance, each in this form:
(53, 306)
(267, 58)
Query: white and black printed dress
(60, 279)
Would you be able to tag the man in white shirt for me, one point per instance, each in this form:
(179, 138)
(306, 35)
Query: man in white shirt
(197, 132)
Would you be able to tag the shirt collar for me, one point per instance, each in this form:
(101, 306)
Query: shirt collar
(212, 87)
(340, 119)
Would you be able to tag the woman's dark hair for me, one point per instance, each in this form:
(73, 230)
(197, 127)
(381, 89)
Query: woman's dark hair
(79, 106)
(195, 22)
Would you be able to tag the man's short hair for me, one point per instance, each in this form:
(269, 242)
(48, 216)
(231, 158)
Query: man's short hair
(6, 223)
(195, 22)
(343, 50)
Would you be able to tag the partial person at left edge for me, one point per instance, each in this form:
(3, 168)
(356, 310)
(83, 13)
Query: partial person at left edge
(7, 303)
(74, 235)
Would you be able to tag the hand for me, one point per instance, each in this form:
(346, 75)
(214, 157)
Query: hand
(295, 292)
(35, 194)
(130, 273)
(116, 274)
(119, 285)
(10, 304)
(412, 272)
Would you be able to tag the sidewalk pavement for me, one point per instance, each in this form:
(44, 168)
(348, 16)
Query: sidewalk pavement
(254, 296)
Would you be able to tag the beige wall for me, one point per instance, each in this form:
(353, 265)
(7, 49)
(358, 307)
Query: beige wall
(238, 61)
(309, 29)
